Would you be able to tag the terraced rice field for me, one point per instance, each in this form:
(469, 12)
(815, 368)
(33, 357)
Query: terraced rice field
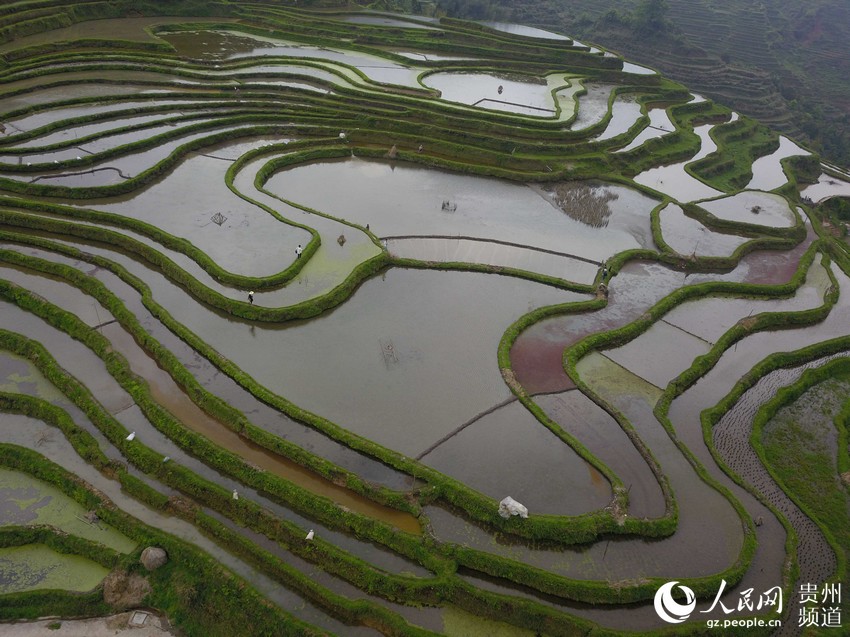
(301, 296)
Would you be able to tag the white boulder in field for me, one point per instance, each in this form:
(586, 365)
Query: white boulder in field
(509, 507)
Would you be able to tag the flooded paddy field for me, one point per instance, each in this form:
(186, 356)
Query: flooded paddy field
(334, 285)
(758, 208)
(688, 236)
(405, 201)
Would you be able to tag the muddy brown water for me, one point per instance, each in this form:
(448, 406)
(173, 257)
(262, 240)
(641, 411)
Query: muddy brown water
(223, 386)
(168, 394)
(336, 365)
(82, 363)
(300, 370)
(710, 318)
(18, 429)
(536, 356)
(706, 518)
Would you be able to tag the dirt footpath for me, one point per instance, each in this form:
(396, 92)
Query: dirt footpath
(134, 623)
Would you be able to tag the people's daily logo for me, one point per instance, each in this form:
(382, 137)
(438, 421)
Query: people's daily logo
(669, 609)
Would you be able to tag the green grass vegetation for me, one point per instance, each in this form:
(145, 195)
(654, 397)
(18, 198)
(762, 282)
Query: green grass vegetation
(157, 108)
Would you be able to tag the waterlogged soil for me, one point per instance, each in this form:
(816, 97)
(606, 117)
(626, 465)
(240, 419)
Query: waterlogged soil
(382, 21)
(250, 241)
(47, 115)
(26, 501)
(603, 206)
(592, 106)
(752, 349)
(536, 356)
(113, 170)
(660, 354)
(731, 439)
(710, 318)
(816, 559)
(706, 517)
(71, 91)
(752, 207)
(37, 567)
(16, 429)
(82, 306)
(54, 446)
(597, 430)
(689, 237)
(18, 376)
(418, 615)
(557, 482)
(399, 200)
(165, 391)
(640, 616)
(70, 134)
(408, 376)
(332, 263)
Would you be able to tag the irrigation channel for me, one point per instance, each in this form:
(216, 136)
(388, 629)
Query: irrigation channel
(302, 297)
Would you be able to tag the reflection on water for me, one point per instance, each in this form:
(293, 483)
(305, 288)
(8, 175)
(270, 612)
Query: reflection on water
(531, 32)
(383, 21)
(593, 105)
(401, 200)
(493, 91)
(827, 186)
(624, 114)
(753, 207)
(689, 237)
(380, 365)
(767, 171)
